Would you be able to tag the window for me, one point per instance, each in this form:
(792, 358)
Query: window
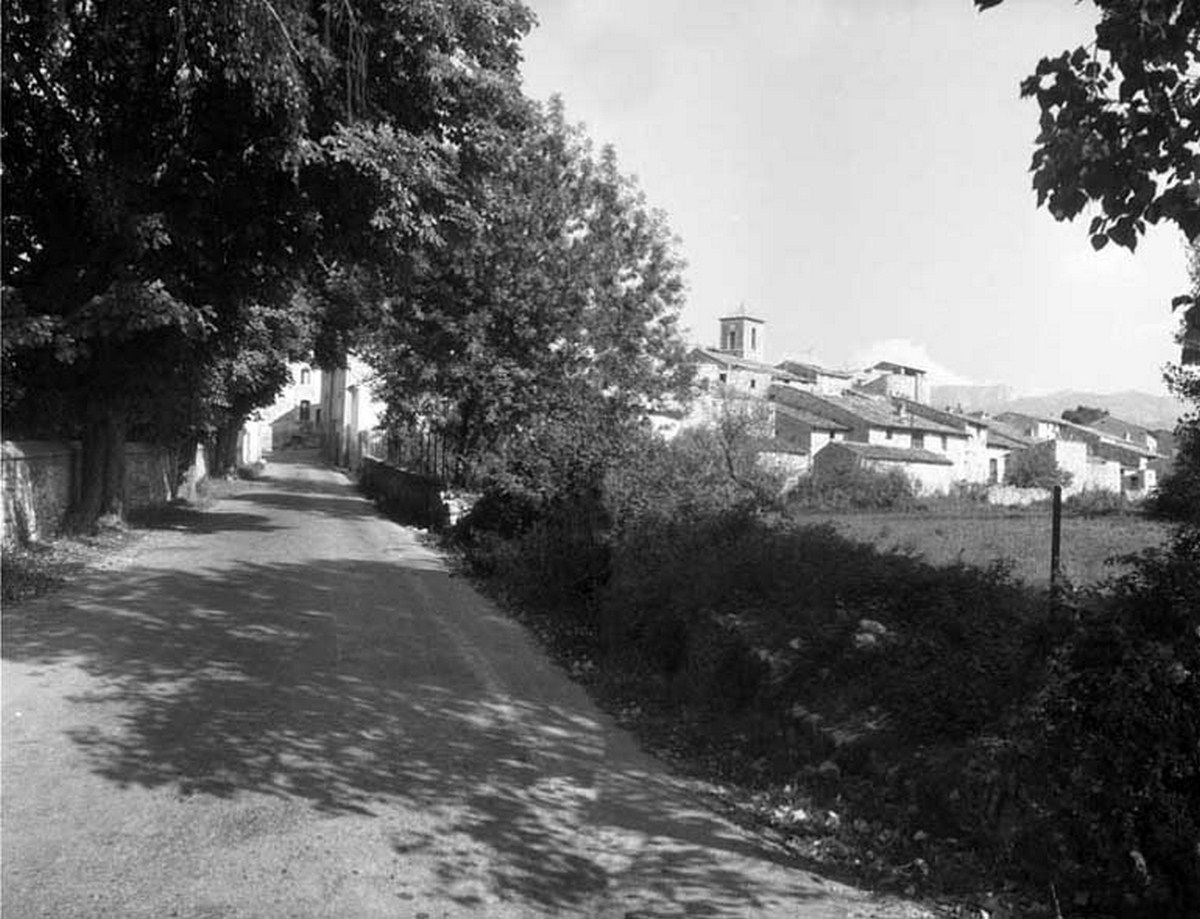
(888, 434)
(753, 339)
(752, 382)
(305, 409)
(918, 440)
(724, 377)
(945, 445)
(305, 376)
(318, 415)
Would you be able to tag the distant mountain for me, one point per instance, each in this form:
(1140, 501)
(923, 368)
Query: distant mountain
(1139, 407)
(971, 398)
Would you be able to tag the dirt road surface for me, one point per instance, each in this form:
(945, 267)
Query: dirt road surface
(288, 706)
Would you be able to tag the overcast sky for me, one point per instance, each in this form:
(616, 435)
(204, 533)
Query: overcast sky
(856, 172)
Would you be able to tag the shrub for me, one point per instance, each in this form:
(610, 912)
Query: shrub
(1112, 764)
(1035, 468)
(855, 489)
(1097, 502)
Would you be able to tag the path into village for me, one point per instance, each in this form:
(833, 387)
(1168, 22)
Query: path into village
(288, 705)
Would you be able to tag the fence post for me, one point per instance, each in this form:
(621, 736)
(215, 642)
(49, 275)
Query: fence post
(1055, 542)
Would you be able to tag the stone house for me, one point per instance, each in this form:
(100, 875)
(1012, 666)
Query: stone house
(890, 423)
(889, 379)
(931, 472)
(349, 413)
(814, 378)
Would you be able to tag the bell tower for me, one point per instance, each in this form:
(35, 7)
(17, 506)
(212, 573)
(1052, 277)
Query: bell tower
(742, 336)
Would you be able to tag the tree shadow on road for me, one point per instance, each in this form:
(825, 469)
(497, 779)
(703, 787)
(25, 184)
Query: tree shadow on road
(345, 684)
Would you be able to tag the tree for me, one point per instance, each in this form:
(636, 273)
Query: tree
(561, 300)
(168, 170)
(1084, 414)
(1120, 122)
(1035, 468)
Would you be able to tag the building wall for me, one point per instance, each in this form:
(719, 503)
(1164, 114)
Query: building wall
(879, 436)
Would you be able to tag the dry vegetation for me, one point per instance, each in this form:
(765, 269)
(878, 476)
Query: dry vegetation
(1022, 538)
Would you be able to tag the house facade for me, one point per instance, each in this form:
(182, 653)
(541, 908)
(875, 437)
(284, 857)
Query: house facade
(349, 413)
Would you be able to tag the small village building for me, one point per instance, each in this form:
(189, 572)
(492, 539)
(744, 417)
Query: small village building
(888, 379)
(817, 379)
(292, 420)
(1002, 441)
(350, 413)
(930, 472)
(1126, 432)
(805, 432)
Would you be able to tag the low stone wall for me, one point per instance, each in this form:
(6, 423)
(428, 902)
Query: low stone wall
(1011, 496)
(41, 481)
(404, 496)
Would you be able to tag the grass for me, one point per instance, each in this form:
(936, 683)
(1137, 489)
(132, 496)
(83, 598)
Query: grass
(1021, 538)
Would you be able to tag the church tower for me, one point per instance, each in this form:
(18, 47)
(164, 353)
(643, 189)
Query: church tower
(742, 336)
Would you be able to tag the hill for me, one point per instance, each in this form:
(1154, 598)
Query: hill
(1141, 408)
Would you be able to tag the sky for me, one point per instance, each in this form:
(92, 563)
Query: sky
(855, 172)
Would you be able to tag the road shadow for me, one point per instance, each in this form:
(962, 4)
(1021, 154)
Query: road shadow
(344, 506)
(312, 682)
(184, 518)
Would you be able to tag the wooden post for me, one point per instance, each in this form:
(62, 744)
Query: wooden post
(1055, 540)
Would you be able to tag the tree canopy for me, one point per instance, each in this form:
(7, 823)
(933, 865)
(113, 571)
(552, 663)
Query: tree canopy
(176, 175)
(565, 292)
(1120, 121)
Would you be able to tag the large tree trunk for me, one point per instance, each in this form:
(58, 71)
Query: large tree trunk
(102, 486)
(225, 448)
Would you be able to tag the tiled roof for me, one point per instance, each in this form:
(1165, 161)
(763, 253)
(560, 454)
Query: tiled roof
(731, 360)
(1001, 435)
(878, 412)
(802, 369)
(890, 454)
(810, 418)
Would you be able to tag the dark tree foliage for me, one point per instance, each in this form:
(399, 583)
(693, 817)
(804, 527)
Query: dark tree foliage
(1084, 414)
(1120, 129)
(562, 298)
(175, 174)
(1120, 122)
(1035, 468)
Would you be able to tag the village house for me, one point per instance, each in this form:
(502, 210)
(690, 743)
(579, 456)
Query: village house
(816, 379)
(932, 453)
(889, 379)
(1117, 457)
(291, 420)
(350, 413)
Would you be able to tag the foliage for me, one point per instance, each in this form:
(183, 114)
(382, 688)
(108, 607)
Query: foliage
(1084, 415)
(1120, 121)
(854, 489)
(1178, 494)
(1112, 743)
(1035, 468)
(1096, 502)
(567, 288)
(277, 147)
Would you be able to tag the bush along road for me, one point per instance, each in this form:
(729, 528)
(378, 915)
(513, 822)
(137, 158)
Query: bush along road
(286, 705)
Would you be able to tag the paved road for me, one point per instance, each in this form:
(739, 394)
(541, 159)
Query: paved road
(288, 706)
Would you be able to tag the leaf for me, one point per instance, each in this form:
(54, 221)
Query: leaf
(1099, 241)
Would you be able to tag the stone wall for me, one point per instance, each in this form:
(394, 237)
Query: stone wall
(41, 481)
(404, 496)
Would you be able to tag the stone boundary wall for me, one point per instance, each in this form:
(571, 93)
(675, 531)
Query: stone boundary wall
(41, 483)
(404, 496)
(1011, 496)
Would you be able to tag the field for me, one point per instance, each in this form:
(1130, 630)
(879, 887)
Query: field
(1023, 538)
